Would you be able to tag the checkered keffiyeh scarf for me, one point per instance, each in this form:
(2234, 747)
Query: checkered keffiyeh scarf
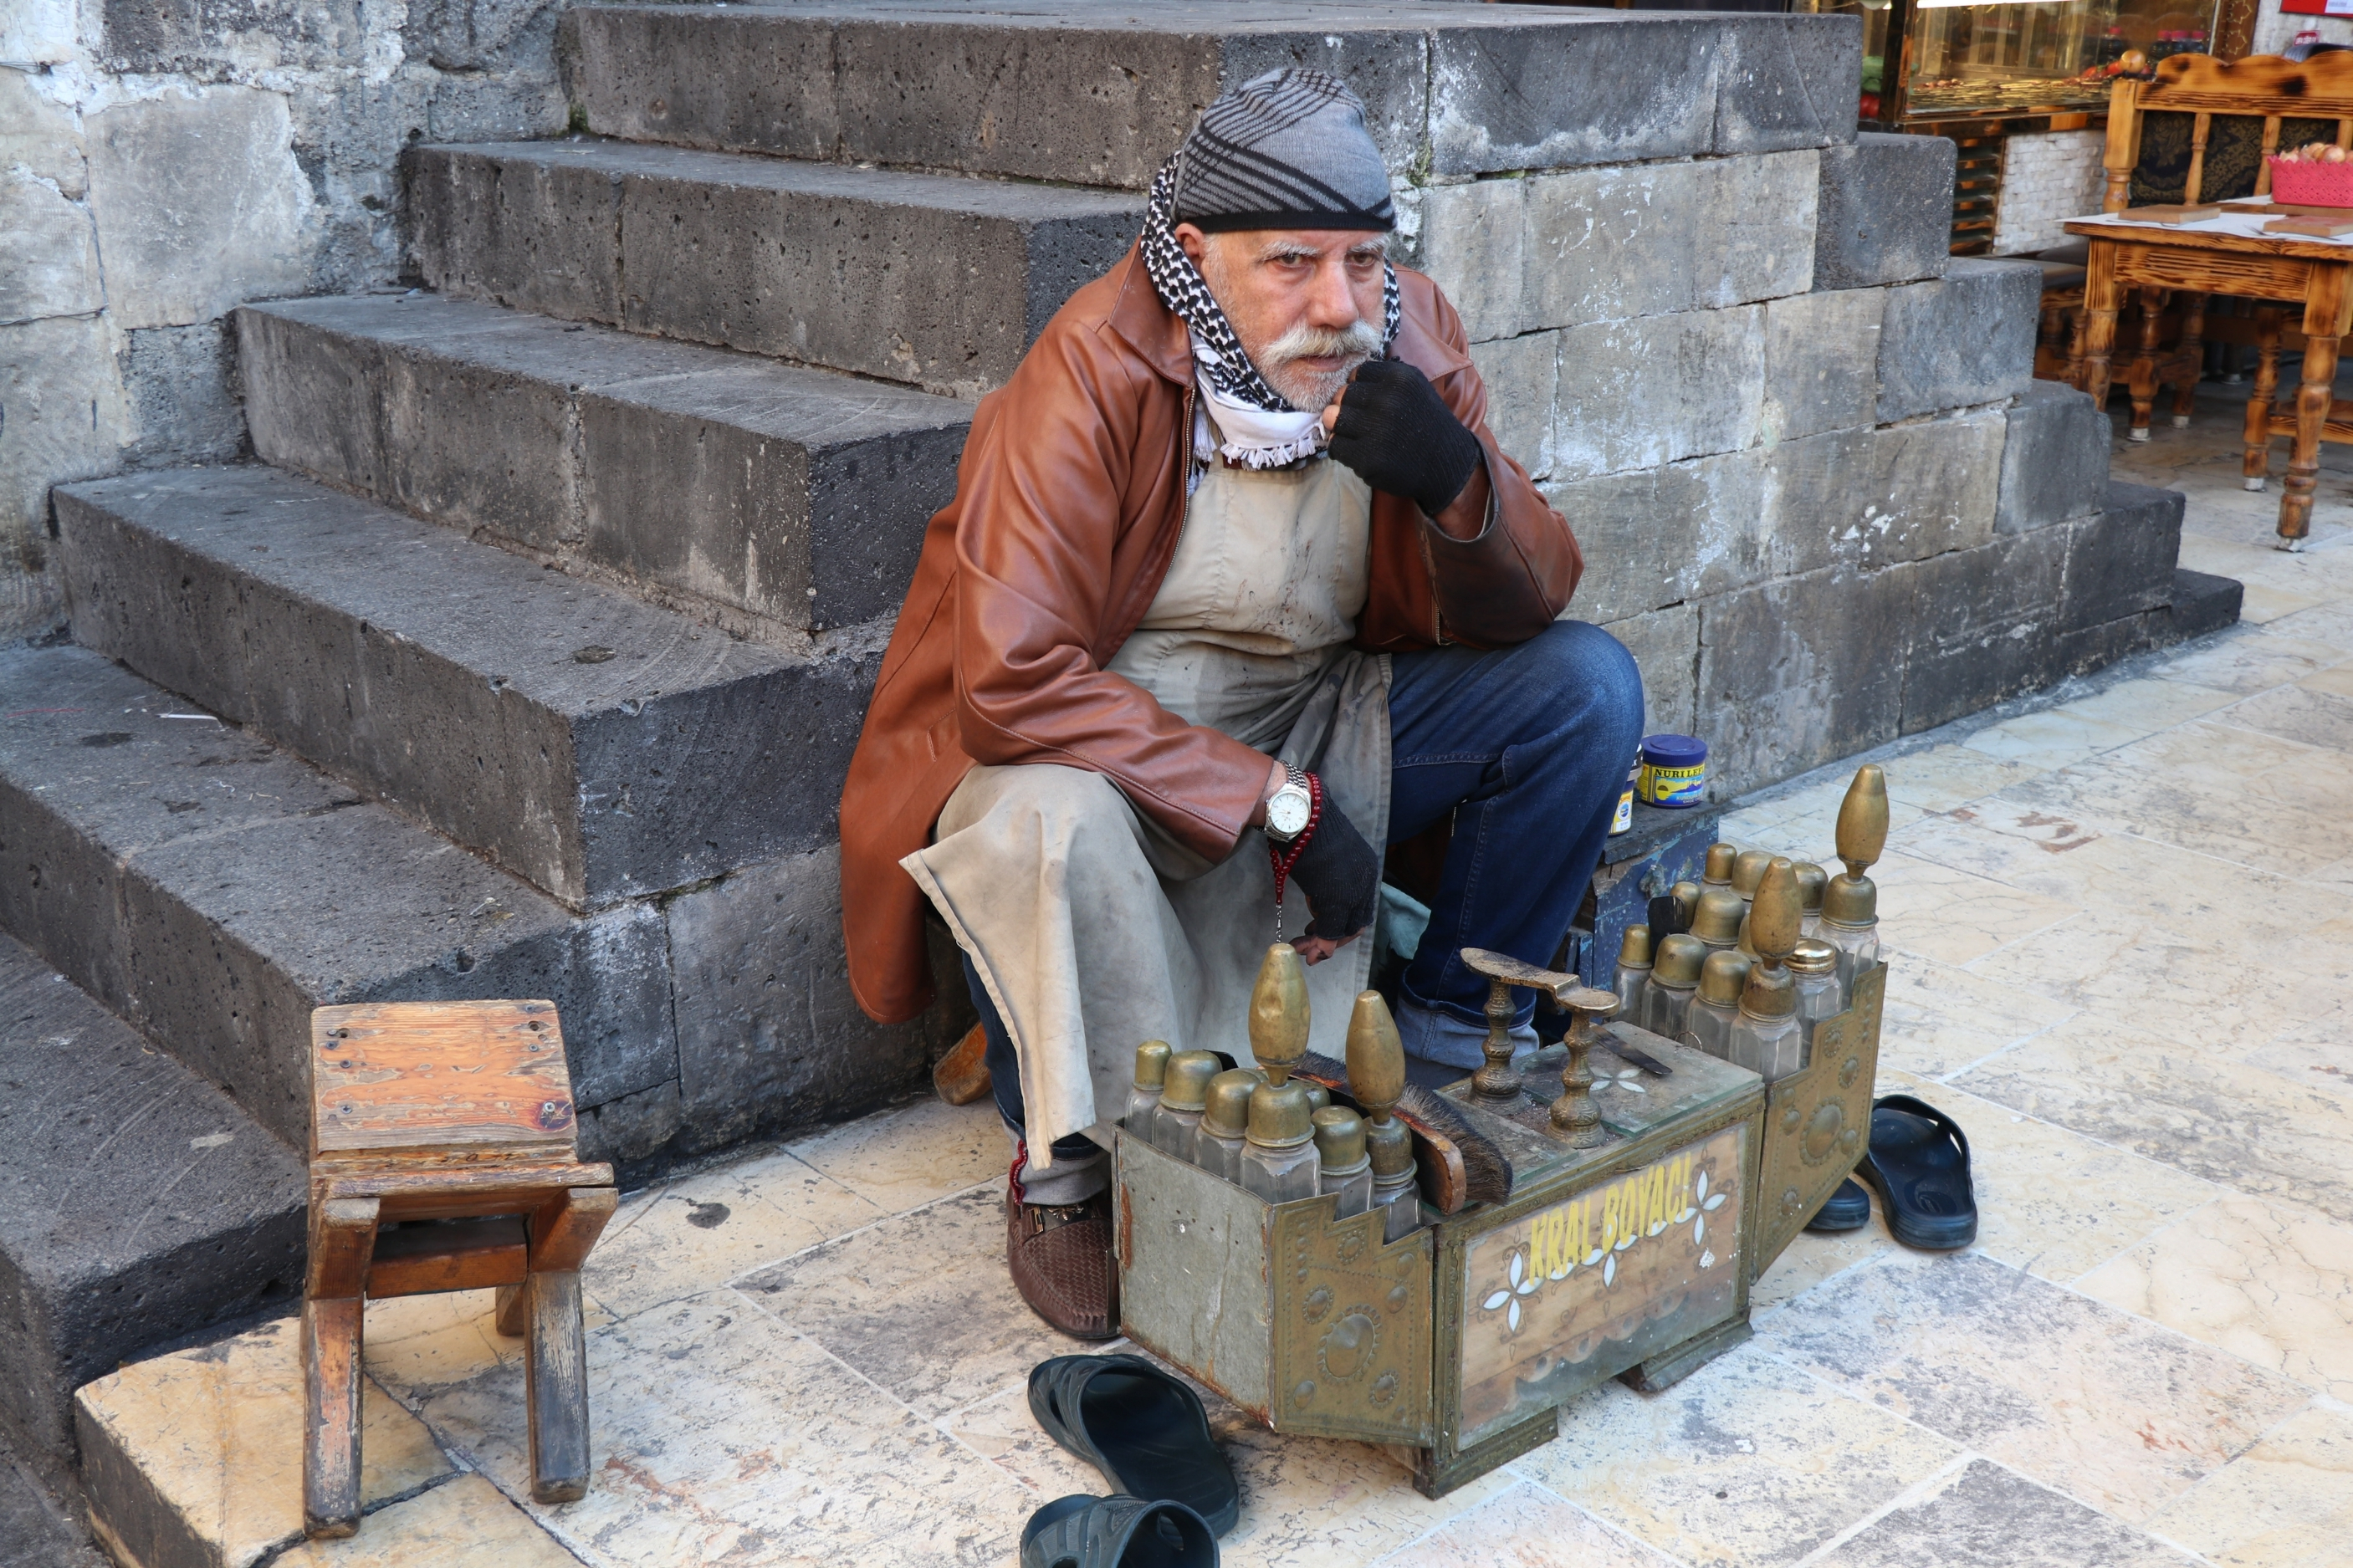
(1225, 370)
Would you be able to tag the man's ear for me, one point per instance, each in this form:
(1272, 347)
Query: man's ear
(1193, 242)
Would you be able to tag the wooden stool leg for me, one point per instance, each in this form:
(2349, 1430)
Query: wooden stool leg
(513, 1304)
(556, 1380)
(2100, 302)
(343, 1238)
(2191, 357)
(2260, 402)
(555, 1350)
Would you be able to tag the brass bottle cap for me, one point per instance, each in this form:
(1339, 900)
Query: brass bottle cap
(1339, 1138)
(1278, 1015)
(1721, 858)
(1775, 914)
(1226, 1114)
(1634, 947)
(1151, 1064)
(1678, 964)
(1722, 976)
(1748, 869)
(1318, 1097)
(1716, 921)
(1686, 898)
(1390, 1144)
(1850, 902)
(1186, 1085)
(1811, 880)
(1376, 1055)
(1768, 993)
(1863, 819)
(1813, 956)
(1280, 1116)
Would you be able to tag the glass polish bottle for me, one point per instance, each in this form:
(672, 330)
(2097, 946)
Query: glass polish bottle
(1342, 1164)
(1279, 1160)
(1143, 1098)
(1766, 1036)
(1716, 921)
(1707, 1027)
(1224, 1123)
(1747, 870)
(1674, 980)
(1851, 924)
(1396, 1184)
(1633, 972)
(1813, 969)
(1184, 1094)
(1811, 880)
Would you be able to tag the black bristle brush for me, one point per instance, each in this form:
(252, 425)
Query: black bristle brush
(1469, 1167)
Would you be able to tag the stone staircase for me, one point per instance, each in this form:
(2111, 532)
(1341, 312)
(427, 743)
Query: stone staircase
(528, 657)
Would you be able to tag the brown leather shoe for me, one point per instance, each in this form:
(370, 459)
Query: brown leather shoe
(1061, 1263)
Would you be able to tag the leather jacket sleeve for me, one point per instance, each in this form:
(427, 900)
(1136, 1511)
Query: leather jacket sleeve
(1053, 492)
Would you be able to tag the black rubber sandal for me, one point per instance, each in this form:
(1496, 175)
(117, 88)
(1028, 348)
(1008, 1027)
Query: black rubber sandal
(1143, 1428)
(1919, 1164)
(1849, 1208)
(1083, 1532)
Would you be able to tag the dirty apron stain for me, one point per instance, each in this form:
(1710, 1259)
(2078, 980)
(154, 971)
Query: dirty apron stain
(1092, 929)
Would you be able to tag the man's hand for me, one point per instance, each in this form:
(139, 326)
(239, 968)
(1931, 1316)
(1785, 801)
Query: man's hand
(1391, 426)
(1340, 875)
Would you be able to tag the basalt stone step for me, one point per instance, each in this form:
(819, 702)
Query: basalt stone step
(212, 890)
(137, 1204)
(597, 746)
(758, 495)
(1071, 89)
(923, 279)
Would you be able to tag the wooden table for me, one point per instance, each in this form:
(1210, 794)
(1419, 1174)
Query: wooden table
(2221, 257)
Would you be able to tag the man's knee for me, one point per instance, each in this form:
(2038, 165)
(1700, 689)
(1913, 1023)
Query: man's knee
(1588, 660)
(1050, 806)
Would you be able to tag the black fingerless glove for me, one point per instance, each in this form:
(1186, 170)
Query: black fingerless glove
(1340, 875)
(1398, 435)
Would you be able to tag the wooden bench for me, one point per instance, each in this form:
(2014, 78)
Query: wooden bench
(2265, 89)
(442, 1158)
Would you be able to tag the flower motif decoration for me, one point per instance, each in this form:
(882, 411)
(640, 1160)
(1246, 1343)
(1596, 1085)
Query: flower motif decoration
(1703, 1204)
(1519, 1282)
(1629, 1079)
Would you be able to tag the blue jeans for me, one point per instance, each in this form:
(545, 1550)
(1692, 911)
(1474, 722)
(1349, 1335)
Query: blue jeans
(1527, 747)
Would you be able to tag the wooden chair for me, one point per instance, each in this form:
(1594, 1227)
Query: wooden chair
(2268, 89)
(442, 1159)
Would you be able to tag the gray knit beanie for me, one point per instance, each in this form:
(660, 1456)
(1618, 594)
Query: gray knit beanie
(1287, 150)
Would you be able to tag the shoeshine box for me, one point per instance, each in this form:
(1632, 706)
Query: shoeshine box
(1457, 1345)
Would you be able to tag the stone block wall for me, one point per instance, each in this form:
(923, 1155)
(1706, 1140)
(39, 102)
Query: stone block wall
(1776, 414)
(160, 163)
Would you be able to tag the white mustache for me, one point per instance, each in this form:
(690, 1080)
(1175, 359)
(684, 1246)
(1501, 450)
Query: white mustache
(1361, 340)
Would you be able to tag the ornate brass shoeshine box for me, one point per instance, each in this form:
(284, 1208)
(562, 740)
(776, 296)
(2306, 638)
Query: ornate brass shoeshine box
(1459, 1341)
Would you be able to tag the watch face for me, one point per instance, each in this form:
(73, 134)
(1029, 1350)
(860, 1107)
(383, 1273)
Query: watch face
(1287, 812)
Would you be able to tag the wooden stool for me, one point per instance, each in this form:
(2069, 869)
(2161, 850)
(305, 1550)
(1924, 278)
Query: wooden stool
(451, 1123)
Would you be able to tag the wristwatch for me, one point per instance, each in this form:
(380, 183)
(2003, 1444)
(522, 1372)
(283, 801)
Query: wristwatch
(1289, 808)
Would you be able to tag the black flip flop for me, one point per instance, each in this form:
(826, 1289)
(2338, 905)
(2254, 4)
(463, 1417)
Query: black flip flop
(1849, 1208)
(1083, 1532)
(1143, 1428)
(1919, 1163)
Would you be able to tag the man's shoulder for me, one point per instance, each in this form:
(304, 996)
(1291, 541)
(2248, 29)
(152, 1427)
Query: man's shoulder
(1429, 333)
(1119, 318)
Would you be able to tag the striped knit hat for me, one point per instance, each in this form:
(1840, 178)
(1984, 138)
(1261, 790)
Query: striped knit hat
(1286, 149)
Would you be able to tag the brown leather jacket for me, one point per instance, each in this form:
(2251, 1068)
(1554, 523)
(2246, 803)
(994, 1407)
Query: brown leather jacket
(1068, 504)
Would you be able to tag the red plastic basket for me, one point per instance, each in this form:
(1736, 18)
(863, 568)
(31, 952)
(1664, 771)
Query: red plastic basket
(2312, 184)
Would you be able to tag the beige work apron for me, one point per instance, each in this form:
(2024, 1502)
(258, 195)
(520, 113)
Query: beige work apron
(1092, 929)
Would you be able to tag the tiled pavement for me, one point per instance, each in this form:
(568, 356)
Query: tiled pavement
(2121, 928)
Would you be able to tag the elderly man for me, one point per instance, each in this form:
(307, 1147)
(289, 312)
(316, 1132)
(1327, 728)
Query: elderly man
(1236, 589)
